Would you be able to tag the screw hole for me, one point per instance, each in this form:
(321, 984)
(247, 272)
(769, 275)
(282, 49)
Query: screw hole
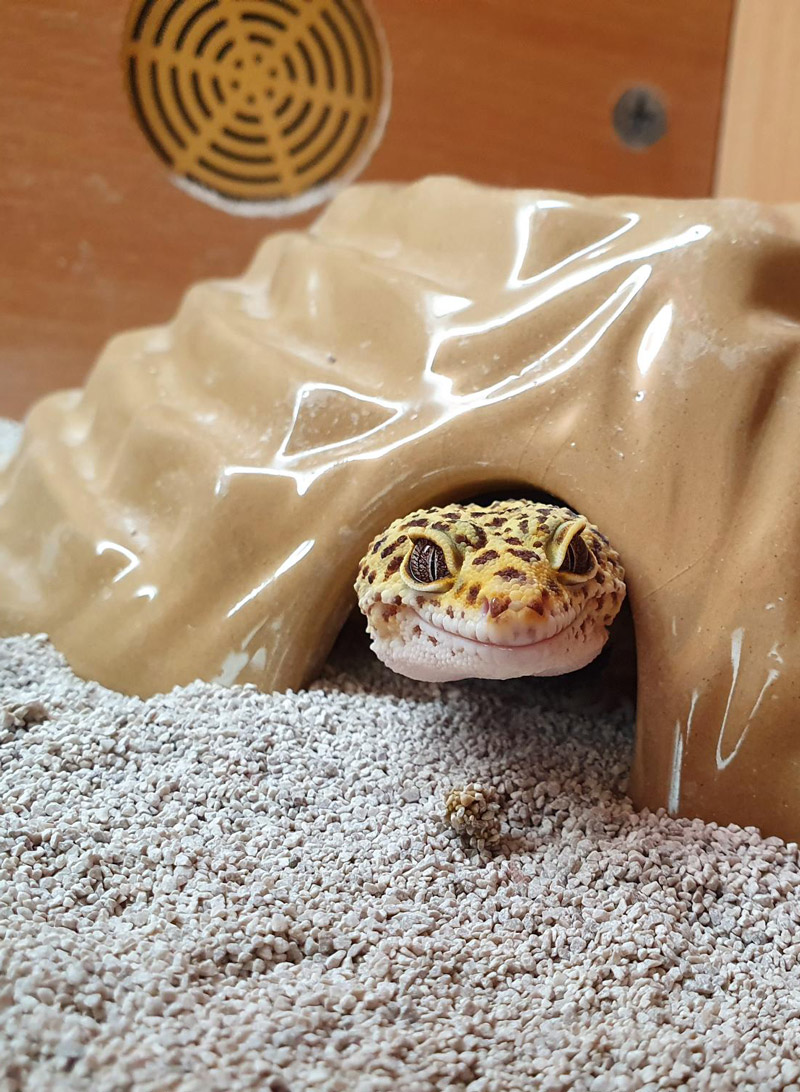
(639, 118)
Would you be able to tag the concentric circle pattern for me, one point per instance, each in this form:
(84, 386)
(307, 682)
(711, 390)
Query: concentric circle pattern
(257, 102)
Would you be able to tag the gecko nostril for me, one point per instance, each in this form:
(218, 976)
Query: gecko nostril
(497, 606)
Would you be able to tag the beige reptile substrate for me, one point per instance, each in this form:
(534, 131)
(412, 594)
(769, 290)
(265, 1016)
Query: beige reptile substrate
(220, 890)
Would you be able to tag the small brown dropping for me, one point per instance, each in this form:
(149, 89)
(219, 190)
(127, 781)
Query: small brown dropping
(474, 812)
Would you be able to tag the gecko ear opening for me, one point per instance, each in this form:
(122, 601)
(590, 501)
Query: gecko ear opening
(569, 554)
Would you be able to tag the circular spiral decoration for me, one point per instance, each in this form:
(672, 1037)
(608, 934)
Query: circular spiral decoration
(264, 106)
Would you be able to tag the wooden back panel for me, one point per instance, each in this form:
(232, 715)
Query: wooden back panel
(517, 92)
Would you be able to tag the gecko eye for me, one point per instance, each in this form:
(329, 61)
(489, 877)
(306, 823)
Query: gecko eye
(426, 562)
(579, 559)
(433, 562)
(569, 554)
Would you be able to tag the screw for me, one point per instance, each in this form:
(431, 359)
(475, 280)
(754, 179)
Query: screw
(639, 118)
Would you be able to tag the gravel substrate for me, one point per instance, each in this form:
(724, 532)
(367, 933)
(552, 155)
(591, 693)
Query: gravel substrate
(220, 889)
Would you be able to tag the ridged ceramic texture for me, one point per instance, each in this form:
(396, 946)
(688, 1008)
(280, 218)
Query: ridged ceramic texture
(199, 509)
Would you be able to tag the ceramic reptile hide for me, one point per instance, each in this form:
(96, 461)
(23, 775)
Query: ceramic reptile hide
(199, 509)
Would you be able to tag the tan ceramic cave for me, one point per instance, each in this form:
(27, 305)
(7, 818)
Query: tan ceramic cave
(199, 509)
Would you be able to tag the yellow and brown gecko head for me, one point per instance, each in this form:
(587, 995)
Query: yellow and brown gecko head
(466, 591)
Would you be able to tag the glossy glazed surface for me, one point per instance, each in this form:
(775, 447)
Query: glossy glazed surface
(200, 508)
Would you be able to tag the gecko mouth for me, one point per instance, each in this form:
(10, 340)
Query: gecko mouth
(411, 645)
(431, 627)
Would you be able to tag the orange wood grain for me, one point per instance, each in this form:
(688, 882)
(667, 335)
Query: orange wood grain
(759, 146)
(95, 238)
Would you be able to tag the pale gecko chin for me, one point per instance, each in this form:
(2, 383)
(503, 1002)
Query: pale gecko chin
(453, 657)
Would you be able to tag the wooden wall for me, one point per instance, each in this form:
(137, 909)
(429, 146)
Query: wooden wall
(759, 147)
(515, 92)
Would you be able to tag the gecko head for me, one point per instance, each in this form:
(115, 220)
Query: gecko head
(510, 589)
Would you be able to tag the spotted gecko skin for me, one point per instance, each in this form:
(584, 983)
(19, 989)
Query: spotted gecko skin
(499, 591)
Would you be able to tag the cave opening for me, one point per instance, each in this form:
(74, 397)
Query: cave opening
(609, 681)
